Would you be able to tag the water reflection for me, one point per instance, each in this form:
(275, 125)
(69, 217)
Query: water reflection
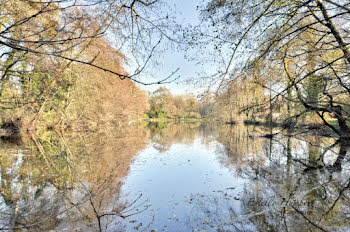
(62, 182)
(175, 177)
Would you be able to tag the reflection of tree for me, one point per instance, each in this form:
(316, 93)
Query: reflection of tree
(343, 148)
(51, 181)
(211, 212)
(163, 134)
(293, 184)
(240, 144)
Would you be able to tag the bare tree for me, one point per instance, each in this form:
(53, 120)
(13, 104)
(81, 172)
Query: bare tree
(65, 28)
(304, 41)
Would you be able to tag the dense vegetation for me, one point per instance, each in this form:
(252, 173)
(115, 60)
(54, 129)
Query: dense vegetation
(163, 104)
(59, 67)
(54, 94)
(293, 60)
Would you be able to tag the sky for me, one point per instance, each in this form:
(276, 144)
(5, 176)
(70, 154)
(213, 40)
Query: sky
(186, 13)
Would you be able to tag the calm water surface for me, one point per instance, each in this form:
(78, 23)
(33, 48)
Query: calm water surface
(168, 177)
(183, 185)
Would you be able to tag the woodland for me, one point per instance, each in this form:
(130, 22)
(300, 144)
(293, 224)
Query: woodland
(60, 67)
(278, 62)
(73, 108)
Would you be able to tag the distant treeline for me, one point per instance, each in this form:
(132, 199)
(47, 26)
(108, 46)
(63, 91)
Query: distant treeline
(164, 105)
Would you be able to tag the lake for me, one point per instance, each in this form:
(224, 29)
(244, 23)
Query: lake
(175, 177)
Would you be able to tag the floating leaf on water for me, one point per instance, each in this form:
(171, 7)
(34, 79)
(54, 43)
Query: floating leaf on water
(138, 226)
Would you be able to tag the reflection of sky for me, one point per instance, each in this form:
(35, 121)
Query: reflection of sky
(190, 187)
(181, 185)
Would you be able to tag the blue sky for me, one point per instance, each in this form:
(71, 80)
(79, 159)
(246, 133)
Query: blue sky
(186, 13)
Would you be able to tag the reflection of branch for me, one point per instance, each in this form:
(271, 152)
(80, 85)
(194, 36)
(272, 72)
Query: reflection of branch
(307, 219)
(339, 5)
(91, 199)
(119, 213)
(125, 211)
(293, 207)
(149, 224)
(336, 200)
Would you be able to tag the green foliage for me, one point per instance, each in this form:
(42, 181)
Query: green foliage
(157, 114)
(164, 105)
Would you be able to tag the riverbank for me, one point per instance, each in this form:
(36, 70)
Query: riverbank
(180, 120)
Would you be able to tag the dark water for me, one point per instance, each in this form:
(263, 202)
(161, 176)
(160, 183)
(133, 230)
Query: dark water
(167, 177)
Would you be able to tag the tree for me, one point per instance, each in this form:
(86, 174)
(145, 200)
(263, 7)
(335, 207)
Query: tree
(63, 29)
(164, 105)
(47, 46)
(161, 103)
(304, 41)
